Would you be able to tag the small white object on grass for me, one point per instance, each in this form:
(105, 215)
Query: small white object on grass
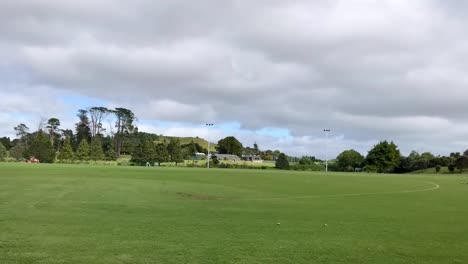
(278, 223)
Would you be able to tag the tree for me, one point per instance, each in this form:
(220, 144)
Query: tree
(125, 125)
(383, 157)
(461, 163)
(276, 154)
(189, 149)
(256, 149)
(267, 155)
(465, 153)
(175, 151)
(6, 142)
(18, 151)
(230, 145)
(97, 114)
(282, 162)
(3, 152)
(53, 125)
(66, 151)
(96, 152)
(144, 152)
(83, 151)
(349, 160)
(451, 168)
(83, 131)
(305, 161)
(161, 153)
(21, 132)
(110, 149)
(437, 168)
(404, 166)
(41, 148)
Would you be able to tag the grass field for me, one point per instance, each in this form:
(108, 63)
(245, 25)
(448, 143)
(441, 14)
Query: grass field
(86, 214)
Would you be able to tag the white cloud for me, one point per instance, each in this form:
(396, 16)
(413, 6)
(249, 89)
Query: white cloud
(370, 70)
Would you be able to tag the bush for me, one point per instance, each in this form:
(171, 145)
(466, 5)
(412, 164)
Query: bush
(282, 162)
(437, 168)
(370, 169)
(451, 168)
(3, 152)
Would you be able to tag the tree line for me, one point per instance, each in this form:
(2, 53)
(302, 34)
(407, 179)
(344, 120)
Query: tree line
(385, 157)
(92, 140)
(87, 141)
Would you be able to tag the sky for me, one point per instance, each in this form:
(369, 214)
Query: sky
(272, 72)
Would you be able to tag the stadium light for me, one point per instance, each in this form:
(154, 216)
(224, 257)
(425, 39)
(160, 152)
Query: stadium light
(208, 156)
(326, 148)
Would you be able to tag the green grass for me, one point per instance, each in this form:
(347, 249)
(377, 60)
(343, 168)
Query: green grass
(103, 214)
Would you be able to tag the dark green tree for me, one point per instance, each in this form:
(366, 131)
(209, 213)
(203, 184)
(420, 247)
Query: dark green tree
(41, 148)
(6, 142)
(230, 145)
(282, 162)
(144, 152)
(465, 153)
(125, 126)
(21, 131)
(256, 149)
(83, 132)
(66, 151)
(305, 161)
(110, 150)
(18, 151)
(383, 157)
(3, 152)
(53, 125)
(96, 152)
(461, 163)
(83, 151)
(349, 160)
(451, 168)
(175, 151)
(404, 166)
(161, 153)
(189, 149)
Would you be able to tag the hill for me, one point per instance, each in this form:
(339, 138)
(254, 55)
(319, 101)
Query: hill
(186, 140)
(443, 170)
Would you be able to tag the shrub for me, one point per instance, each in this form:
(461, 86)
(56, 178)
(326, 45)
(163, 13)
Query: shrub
(451, 168)
(3, 152)
(437, 168)
(370, 168)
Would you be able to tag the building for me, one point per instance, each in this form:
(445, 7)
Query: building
(252, 158)
(226, 157)
(199, 156)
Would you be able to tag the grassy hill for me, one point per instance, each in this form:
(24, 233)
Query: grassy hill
(185, 140)
(443, 170)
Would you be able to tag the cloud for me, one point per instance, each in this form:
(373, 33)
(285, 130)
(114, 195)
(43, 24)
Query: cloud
(370, 70)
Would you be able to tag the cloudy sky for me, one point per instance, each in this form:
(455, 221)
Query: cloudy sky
(273, 72)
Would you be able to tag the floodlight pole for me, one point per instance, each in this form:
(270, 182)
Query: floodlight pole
(326, 148)
(208, 156)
